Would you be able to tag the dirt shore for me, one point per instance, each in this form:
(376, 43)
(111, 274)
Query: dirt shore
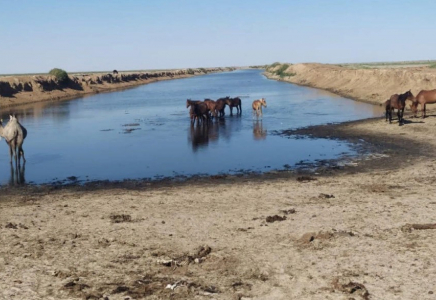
(373, 85)
(347, 233)
(27, 89)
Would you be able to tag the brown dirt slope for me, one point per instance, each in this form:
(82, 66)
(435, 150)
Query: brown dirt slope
(368, 85)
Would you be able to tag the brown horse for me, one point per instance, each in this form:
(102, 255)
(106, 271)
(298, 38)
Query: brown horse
(398, 102)
(190, 103)
(257, 106)
(200, 112)
(220, 105)
(211, 104)
(423, 98)
(234, 102)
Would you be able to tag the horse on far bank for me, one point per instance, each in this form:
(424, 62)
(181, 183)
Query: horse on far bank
(424, 97)
(398, 102)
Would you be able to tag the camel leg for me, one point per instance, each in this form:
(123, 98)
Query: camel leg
(11, 152)
(21, 153)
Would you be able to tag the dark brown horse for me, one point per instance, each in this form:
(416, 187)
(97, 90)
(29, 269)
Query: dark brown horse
(398, 102)
(211, 104)
(190, 103)
(200, 112)
(220, 105)
(234, 102)
(423, 98)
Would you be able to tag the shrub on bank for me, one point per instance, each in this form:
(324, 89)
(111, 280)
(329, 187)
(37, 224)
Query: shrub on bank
(190, 71)
(282, 71)
(61, 75)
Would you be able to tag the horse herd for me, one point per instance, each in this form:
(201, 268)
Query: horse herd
(398, 101)
(204, 111)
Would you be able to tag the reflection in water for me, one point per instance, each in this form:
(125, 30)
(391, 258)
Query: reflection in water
(17, 174)
(258, 132)
(58, 111)
(201, 134)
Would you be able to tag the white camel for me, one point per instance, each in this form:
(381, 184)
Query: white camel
(14, 133)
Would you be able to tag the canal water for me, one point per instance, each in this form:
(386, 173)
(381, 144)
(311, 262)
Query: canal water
(145, 132)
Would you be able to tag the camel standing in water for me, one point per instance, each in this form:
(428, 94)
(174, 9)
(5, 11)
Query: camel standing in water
(14, 134)
(257, 106)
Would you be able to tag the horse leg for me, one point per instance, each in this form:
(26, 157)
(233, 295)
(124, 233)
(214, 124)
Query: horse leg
(399, 116)
(231, 110)
(425, 106)
(386, 114)
(390, 116)
(240, 109)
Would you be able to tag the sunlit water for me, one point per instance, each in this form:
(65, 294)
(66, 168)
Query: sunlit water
(92, 138)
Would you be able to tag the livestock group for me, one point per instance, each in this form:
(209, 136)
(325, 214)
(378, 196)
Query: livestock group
(204, 111)
(398, 101)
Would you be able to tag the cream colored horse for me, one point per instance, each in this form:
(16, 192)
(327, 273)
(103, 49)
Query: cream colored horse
(257, 106)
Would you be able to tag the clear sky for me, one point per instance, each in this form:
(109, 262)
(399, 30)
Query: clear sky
(90, 35)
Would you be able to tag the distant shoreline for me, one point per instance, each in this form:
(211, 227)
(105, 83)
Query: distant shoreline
(28, 89)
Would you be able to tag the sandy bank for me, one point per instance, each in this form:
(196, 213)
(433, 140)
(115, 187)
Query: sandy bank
(368, 85)
(18, 90)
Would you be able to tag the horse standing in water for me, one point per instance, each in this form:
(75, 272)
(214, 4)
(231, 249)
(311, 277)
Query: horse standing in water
(398, 102)
(234, 102)
(257, 106)
(423, 98)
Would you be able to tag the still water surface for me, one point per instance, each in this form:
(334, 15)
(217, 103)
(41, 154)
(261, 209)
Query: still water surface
(145, 132)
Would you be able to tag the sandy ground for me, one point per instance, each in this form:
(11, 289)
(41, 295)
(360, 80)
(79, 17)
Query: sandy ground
(367, 85)
(342, 234)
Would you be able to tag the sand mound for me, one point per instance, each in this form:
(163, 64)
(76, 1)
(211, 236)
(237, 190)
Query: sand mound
(368, 85)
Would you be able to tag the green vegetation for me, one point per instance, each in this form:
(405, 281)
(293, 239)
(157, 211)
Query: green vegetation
(190, 71)
(281, 71)
(433, 66)
(259, 67)
(61, 75)
(203, 70)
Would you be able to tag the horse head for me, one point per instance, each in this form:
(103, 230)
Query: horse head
(414, 107)
(263, 101)
(409, 95)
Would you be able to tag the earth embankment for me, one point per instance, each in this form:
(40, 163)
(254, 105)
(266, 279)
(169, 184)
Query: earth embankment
(372, 85)
(24, 89)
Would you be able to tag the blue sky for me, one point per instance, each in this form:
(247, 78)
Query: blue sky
(89, 35)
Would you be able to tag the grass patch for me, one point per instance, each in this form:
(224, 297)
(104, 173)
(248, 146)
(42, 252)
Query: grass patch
(433, 66)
